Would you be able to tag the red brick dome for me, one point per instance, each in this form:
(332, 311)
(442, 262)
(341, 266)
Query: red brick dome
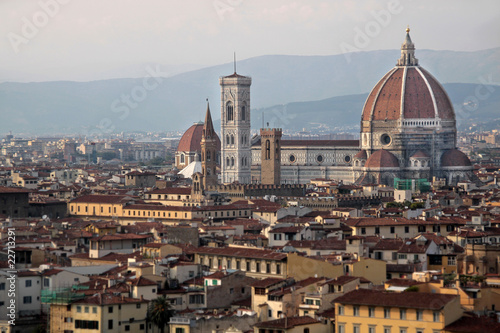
(420, 154)
(382, 159)
(408, 92)
(361, 155)
(454, 158)
(191, 139)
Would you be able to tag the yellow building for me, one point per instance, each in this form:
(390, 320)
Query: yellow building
(391, 227)
(372, 311)
(126, 209)
(99, 313)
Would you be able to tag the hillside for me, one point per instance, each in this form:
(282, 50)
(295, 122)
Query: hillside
(101, 106)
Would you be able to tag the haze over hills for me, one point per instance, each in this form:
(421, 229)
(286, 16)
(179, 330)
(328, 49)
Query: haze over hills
(337, 85)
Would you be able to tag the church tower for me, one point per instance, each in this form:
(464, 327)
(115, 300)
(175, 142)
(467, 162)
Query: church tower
(236, 157)
(270, 170)
(209, 152)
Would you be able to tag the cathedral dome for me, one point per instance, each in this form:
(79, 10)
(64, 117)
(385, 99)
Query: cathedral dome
(420, 154)
(454, 158)
(382, 159)
(191, 139)
(408, 93)
(361, 155)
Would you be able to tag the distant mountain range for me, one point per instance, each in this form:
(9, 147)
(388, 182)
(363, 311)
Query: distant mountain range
(312, 89)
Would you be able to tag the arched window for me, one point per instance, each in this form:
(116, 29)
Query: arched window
(209, 155)
(182, 158)
(268, 150)
(227, 161)
(306, 330)
(232, 139)
(277, 153)
(229, 111)
(243, 112)
(232, 161)
(208, 171)
(227, 140)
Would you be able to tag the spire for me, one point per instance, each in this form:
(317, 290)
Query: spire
(234, 60)
(407, 52)
(208, 127)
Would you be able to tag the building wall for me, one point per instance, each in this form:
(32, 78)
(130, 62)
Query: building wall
(450, 313)
(301, 268)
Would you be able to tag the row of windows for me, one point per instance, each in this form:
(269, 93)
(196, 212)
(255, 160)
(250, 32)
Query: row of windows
(259, 267)
(87, 324)
(420, 228)
(87, 209)
(230, 112)
(230, 162)
(372, 329)
(155, 214)
(86, 309)
(419, 314)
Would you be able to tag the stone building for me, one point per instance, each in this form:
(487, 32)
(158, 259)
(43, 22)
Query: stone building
(189, 148)
(236, 158)
(408, 131)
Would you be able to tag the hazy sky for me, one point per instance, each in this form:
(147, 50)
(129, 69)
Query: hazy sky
(95, 39)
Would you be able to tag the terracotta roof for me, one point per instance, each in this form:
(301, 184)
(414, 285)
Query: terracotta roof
(415, 300)
(474, 324)
(286, 230)
(119, 237)
(419, 89)
(382, 159)
(414, 246)
(51, 272)
(361, 155)
(5, 189)
(171, 190)
(191, 139)
(454, 158)
(420, 154)
(109, 199)
(341, 280)
(267, 282)
(142, 281)
(287, 323)
(108, 299)
(387, 244)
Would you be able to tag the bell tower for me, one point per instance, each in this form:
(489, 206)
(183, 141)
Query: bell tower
(236, 157)
(208, 152)
(270, 170)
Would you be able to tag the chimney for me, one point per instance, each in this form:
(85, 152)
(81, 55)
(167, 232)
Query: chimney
(142, 297)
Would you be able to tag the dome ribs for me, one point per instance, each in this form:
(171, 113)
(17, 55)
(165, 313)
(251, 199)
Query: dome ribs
(388, 103)
(418, 101)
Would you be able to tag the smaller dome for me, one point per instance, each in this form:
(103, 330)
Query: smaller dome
(382, 159)
(454, 158)
(361, 155)
(191, 139)
(420, 154)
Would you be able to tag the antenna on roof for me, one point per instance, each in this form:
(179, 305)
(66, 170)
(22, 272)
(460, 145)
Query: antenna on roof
(234, 60)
